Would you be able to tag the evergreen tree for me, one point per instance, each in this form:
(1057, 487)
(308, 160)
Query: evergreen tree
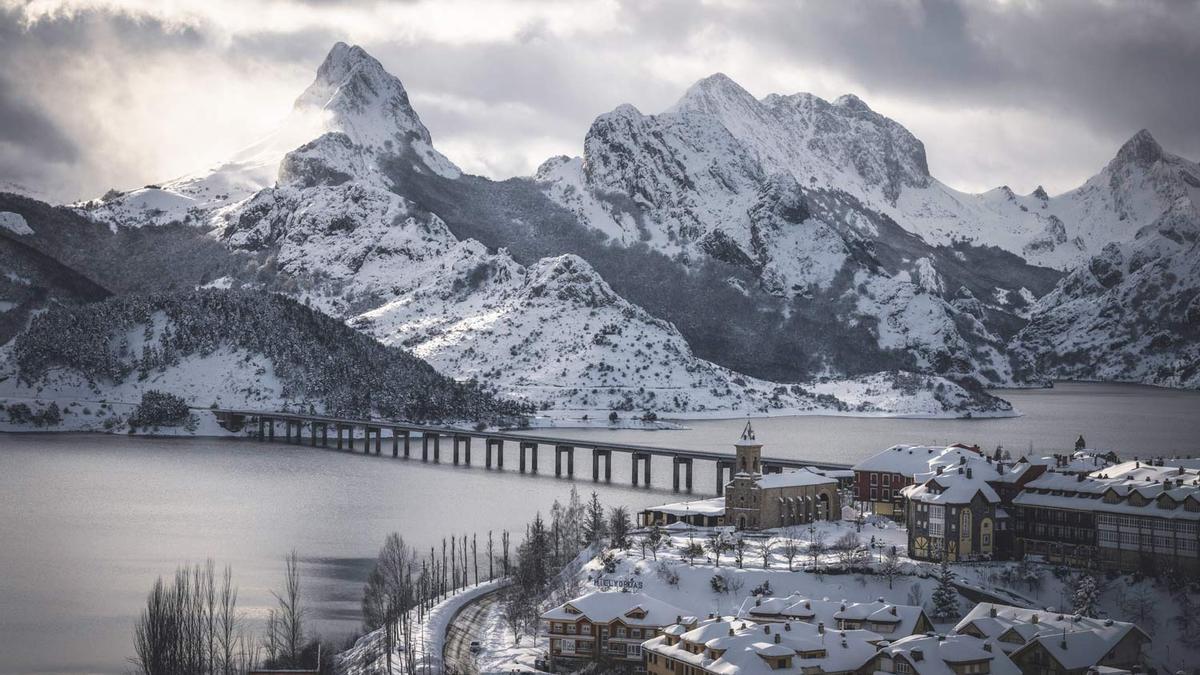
(619, 527)
(594, 527)
(945, 597)
(1085, 595)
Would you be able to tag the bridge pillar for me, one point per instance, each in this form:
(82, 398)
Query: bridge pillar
(498, 443)
(424, 446)
(395, 442)
(378, 440)
(597, 453)
(261, 430)
(722, 465)
(645, 459)
(271, 429)
(324, 435)
(533, 452)
(569, 451)
(676, 462)
(312, 434)
(467, 450)
(350, 436)
(338, 428)
(454, 440)
(407, 442)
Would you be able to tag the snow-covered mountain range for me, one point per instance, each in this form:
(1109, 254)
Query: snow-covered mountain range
(816, 226)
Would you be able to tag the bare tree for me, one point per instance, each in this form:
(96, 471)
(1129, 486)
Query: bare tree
(764, 549)
(491, 556)
(228, 625)
(290, 613)
(890, 567)
(790, 547)
(816, 547)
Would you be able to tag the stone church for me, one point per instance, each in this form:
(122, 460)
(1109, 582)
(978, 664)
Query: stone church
(756, 501)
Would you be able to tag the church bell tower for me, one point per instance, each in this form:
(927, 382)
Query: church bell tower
(749, 452)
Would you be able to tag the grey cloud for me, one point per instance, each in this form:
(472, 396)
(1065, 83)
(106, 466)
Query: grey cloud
(28, 128)
(1115, 67)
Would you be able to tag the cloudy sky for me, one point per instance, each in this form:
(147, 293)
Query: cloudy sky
(97, 94)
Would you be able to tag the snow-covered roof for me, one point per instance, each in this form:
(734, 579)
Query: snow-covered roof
(938, 654)
(955, 485)
(1095, 637)
(706, 507)
(901, 619)
(1080, 461)
(633, 609)
(797, 478)
(746, 651)
(909, 460)
(1080, 492)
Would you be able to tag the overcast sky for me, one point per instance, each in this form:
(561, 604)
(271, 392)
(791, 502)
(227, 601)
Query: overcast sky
(98, 94)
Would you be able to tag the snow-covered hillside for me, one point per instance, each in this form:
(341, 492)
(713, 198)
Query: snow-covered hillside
(1132, 313)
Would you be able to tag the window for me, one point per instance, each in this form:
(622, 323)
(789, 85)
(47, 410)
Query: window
(874, 479)
(635, 651)
(620, 631)
(937, 520)
(887, 479)
(903, 667)
(586, 629)
(874, 494)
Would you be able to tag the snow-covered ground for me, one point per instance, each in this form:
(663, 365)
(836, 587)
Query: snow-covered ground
(367, 655)
(689, 587)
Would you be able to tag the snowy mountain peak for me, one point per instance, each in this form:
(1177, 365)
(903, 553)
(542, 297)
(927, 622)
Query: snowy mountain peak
(852, 102)
(715, 94)
(362, 100)
(1141, 150)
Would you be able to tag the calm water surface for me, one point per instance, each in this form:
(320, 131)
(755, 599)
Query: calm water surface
(88, 521)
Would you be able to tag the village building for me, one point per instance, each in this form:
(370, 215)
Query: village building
(942, 655)
(1133, 516)
(887, 620)
(756, 501)
(879, 479)
(698, 513)
(608, 628)
(728, 646)
(1041, 641)
(962, 510)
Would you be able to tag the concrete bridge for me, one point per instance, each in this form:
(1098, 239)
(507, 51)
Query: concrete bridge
(405, 436)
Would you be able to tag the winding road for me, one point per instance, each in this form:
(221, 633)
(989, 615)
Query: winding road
(467, 625)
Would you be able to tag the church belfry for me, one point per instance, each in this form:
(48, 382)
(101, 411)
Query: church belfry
(749, 452)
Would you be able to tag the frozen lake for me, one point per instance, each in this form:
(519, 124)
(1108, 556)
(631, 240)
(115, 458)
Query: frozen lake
(88, 521)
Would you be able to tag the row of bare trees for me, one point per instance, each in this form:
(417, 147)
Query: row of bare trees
(191, 625)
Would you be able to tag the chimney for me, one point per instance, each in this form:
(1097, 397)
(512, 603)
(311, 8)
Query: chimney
(939, 470)
(960, 470)
(821, 628)
(918, 655)
(992, 612)
(987, 646)
(731, 630)
(678, 618)
(894, 610)
(787, 626)
(941, 637)
(767, 629)
(758, 601)
(778, 637)
(1033, 619)
(968, 472)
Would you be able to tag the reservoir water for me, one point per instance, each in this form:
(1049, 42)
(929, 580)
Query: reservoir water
(88, 521)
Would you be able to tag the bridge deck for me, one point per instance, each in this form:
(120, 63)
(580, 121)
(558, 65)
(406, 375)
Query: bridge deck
(529, 438)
